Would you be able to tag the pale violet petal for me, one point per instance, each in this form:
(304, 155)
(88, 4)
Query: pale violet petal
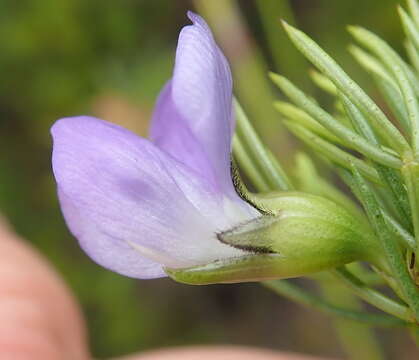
(193, 116)
(132, 207)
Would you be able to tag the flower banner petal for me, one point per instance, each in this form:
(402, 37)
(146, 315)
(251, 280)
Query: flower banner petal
(171, 133)
(195, 108)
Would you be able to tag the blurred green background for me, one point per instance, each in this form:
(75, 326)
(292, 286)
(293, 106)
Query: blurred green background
(109, 59)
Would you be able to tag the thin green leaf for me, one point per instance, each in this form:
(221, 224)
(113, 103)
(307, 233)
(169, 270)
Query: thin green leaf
(390, 246)
(372, 296)
(371, 64)
(300, 296)
(331, 151)
(399, 70)
(414, 10)
(413, 54)
(409, 27)
(410, 173)
(358, 120)
(349, 137)
(394, 100)
(287, 184)
(322, 82)
(368, 277)
(398, 194)
(385, 83)
(345, 84)
(309, 180)
(404, 237)
(246, 164)
(390, 177)
(294, 113)
(268, 165)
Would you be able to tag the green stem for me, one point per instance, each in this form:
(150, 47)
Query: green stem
(293, 292)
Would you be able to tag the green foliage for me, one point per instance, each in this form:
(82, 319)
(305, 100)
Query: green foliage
(365, 147)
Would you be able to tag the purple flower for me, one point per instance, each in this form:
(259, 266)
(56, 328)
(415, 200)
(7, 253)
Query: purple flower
(137, 205)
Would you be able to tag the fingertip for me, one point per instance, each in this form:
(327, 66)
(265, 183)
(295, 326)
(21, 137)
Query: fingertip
(35, 302)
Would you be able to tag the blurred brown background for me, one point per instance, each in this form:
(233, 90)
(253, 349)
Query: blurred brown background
(109, 59)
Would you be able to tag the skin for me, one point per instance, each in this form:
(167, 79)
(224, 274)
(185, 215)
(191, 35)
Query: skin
(40, 319)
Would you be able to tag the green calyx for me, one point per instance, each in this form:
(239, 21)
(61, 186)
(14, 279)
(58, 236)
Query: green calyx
(298, 234)
(316, 228)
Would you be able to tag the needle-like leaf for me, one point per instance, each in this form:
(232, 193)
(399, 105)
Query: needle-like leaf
(346, 85)
(405, 78)
(390, 246)
(331, 151)
(270, 169)
(409, 27)
(349, 138)
(299, 116)
(414, 10)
